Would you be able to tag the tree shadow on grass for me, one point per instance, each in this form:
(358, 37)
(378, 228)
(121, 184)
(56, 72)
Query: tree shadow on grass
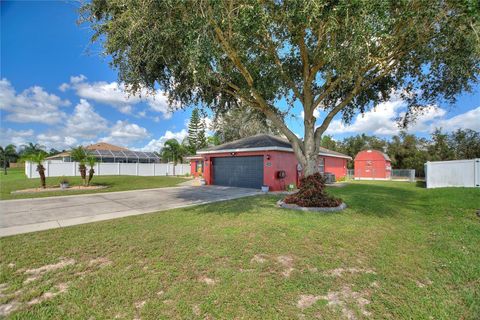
(237, 207)
(380, 199)
(368, 199)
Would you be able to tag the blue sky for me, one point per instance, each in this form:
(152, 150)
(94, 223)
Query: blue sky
(56, 89)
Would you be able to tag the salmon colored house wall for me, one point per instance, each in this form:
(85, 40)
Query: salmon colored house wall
(337, 166)
(278, 161)
(371, 165)
(193, 167)
(285, 161)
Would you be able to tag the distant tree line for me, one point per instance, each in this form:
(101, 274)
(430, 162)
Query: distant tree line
(408, 151)
(12, 154)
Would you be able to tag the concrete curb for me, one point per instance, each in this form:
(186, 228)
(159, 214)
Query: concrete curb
(284, 205)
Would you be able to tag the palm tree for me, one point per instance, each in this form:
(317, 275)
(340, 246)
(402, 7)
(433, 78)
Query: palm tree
(79, 155)
(6, 155)
(173, 150)
(91, 160)
(31, 148)
(38, 159)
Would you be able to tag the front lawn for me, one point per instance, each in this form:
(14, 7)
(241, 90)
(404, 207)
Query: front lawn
(398, 252)
(17, 180)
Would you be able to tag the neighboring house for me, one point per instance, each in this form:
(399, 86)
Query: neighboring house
(259, 160)
(372, 165)
(106, 152)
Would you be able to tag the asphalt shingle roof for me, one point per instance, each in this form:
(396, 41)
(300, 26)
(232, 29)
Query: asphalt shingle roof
(263, 141)
(257, 141)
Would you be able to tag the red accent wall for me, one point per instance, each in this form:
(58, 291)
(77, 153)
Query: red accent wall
(371, 165)
(337, 166)
(278, 161)
(193, 167)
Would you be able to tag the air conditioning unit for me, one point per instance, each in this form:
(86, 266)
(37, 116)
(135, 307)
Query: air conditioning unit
(329, 177)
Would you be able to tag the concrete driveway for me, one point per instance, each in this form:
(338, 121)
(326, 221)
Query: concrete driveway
(28, 215)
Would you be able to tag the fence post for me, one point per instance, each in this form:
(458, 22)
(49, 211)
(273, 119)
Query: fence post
(48, 168)
(119, 168)
(476, 170)
(136, 168)
(73, 168)
(425, 169)
(98, 168)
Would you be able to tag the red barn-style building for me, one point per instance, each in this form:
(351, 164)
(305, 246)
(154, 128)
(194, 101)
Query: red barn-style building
(372, 165)
(259, 160)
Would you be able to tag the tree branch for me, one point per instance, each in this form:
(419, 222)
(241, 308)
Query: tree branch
(291, 83)
(263, 106)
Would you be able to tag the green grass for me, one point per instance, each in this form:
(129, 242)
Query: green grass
(17, 180)
(422, 245)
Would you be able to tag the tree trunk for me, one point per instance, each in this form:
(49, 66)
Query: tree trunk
(310, 152)
(41, 172)
(90, 175)
(5, 167)
(83, 173)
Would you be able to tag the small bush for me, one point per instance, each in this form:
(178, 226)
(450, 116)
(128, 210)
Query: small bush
(312, 193)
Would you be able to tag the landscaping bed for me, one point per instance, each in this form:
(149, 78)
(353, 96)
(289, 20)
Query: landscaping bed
(397, 252)
(59, 189)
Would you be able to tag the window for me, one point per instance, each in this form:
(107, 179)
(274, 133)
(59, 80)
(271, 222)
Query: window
(321, 165)
(199, 166)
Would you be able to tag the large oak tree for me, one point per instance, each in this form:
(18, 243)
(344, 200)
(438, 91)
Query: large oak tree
(340, 57)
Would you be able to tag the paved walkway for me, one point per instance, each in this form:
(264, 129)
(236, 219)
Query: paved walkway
(28, 215)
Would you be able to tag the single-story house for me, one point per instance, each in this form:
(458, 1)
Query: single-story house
(372, 165)
(260, 160)
(109, 153)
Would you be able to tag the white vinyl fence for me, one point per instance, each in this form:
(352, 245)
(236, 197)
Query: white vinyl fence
(58, 169)
(455, 173)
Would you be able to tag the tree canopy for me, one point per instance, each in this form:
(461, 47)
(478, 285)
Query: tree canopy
(173, 151)
(196, 132)
(340, 57)
(240, 122)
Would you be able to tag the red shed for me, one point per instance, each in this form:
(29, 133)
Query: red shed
(372, 165)
(259, 160)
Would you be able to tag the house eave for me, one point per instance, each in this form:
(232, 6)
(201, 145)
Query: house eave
(266, 149)
(334, 155)
(245, 150)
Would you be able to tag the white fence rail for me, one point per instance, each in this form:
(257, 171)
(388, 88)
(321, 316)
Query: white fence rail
(455, 173)
(58, 169)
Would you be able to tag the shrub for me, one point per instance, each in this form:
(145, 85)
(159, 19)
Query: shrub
(63, 180)
(312, 193)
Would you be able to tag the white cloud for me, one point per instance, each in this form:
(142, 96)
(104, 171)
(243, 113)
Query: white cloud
(316, 114)
(32, 105)
(85, 123)
(124, 133)
(16, 137)
(467, 120)
(56, 140)
(383, 120)
(114, 94)
(157, 144)
(380, 120)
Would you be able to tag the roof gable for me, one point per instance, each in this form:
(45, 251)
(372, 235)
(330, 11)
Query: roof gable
(105, 146)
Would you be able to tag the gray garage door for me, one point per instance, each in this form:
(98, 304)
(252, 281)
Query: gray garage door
(245, 172)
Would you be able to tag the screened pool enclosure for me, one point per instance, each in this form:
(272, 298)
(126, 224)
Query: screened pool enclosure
(125, 156)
